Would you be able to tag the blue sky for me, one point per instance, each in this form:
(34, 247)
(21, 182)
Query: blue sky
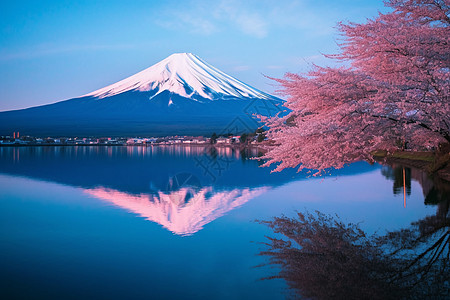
(56, 50)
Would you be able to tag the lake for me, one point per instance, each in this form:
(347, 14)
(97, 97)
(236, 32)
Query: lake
(172, 222)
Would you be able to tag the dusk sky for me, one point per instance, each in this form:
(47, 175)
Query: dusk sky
(56, 50)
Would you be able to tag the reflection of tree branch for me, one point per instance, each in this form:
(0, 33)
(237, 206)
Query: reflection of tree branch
(323, 258)
(435, 247)
(409, 240)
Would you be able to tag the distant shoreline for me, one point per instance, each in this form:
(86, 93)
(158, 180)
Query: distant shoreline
(136, 145)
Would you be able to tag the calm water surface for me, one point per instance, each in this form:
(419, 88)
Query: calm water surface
(170, 222)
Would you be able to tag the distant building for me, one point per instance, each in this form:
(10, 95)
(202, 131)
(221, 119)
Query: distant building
(135, 141)
(112, 142)
(223, 140)
(199, 140)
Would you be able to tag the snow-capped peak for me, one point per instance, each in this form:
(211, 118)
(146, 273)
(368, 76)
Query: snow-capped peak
(184, 74)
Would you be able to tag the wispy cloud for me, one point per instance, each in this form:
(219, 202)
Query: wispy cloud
(246, 18)
(256, 18)
(206, 18)
(188, 22)
(252, 24)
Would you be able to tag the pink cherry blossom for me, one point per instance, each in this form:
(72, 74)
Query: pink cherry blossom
(392, 91)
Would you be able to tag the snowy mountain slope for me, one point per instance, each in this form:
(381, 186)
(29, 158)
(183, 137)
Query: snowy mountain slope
(179, 95)
(184, 74)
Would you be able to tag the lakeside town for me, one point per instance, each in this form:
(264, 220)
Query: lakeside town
(16, 139)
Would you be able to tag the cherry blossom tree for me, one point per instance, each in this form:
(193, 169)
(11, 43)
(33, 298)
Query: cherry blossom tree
(392, 90)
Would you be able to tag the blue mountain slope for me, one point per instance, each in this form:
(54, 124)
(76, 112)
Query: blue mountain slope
(180, 95)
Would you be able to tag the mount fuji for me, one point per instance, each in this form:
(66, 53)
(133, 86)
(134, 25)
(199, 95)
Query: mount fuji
(180, 95)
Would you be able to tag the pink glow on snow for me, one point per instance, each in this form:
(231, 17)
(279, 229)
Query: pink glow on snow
(172, 212)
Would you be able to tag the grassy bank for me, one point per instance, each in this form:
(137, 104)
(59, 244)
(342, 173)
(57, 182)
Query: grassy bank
(434, 163)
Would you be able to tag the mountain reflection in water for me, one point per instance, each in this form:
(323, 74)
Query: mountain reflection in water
(180, 187)
(172, 211)
(74, 220)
